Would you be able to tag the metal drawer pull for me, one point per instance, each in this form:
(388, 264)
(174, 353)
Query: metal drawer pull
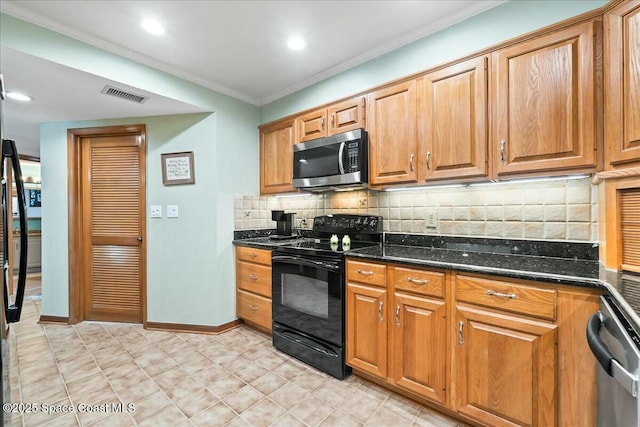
(501, 295)
(460, 328)
(380, 318)
(253, 254)
(253, 277)
(418, 281)
(365, 272)
(397, 315)
(411, 162)
(253, 307)
(503, 143)
(427, 160)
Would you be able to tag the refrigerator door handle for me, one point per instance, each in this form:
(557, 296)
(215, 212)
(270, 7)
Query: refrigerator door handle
(10, 152)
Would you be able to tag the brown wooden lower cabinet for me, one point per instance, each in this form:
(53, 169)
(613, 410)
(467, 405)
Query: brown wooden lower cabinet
(486, 349)
(253, 287)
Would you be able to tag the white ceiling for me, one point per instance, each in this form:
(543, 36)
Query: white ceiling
(234, 47)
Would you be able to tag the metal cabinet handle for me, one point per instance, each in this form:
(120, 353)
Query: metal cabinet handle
(253, 307)
(427, 160)
(333, 116)
(397, 315)
(500, 294)
(503, 143)
(322, 123)
(460, 338)
(380, 318)
(365, 272)
(418, 281)
(253, 277)
(411, 162)
(253, 254)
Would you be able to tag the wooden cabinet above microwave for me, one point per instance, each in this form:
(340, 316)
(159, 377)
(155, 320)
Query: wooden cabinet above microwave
(337, 118)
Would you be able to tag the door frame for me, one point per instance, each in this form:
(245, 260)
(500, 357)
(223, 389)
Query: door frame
(77, 259)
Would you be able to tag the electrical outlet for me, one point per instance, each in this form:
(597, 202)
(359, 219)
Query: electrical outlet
(432, 219)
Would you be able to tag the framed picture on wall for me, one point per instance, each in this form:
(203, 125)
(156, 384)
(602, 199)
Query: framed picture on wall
(177, 168)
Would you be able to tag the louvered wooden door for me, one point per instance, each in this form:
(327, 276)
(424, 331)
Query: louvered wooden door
(630, 228)
(113, 196)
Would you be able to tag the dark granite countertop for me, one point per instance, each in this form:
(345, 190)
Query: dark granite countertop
(575, 272)
(565, 263)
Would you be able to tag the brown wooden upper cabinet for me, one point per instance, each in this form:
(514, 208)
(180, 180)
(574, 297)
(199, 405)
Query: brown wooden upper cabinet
(391, 124)
(276, 157)
(452, 122)
(622, 85)
(544, 104)
(341, 117)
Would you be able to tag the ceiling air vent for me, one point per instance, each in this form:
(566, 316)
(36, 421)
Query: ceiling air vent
(114, 91)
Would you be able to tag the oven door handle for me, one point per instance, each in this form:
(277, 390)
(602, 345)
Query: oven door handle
(611, 366)
(285, 259)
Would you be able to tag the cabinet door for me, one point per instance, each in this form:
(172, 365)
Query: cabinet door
(544, 104)
(276, 157)
(419, 346)
(622, 85)
(391, 123)
(506, 368)
(452, 122)
(312, 125)
(345, 116)
(367, 329)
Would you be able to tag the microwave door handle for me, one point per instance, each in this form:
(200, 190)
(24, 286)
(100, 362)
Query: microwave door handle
(340, 160)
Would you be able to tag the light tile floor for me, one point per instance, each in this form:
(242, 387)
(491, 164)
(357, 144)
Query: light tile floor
(179, 379)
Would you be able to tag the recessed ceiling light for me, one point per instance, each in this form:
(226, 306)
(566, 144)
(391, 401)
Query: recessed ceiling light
(152, 26)
(296, 43)
(17, 96)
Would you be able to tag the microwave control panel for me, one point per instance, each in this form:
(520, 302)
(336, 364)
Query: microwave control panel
(353, 156)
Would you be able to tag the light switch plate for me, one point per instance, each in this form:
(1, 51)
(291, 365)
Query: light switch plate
(172, 211)
(156, 211)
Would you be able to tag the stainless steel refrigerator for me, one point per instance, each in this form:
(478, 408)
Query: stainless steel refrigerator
(12, 305)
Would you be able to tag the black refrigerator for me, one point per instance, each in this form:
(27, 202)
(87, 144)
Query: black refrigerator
(12, 305)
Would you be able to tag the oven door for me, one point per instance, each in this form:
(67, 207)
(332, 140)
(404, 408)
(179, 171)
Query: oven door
(308, 295)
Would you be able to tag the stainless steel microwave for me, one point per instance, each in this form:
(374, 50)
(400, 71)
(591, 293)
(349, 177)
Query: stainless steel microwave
(337, 162)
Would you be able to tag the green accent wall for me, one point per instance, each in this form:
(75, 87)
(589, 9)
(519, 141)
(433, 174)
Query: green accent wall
(190, 273)
(508, 20)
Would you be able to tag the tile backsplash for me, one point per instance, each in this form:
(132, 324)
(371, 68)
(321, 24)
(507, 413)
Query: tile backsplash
(553, 209)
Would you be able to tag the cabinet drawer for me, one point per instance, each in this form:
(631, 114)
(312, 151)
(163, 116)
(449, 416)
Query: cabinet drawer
(254, 278)
(254, 308)
(507, 296)
(419, 281)
(259, 256)
(364, 272)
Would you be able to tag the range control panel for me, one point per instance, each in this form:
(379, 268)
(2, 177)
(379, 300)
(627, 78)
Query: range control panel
(344, 223)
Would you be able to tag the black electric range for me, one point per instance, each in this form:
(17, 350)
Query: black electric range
(362, 231)
(309, 293)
